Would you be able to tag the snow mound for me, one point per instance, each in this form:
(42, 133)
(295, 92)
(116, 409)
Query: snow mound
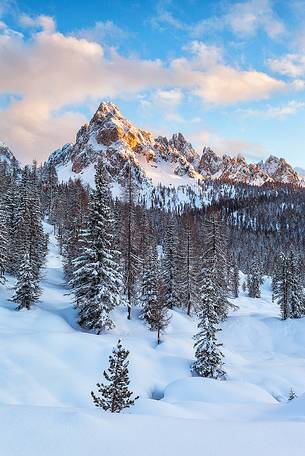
(215, 391)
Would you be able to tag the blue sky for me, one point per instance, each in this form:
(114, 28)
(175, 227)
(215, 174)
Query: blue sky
(229, 74)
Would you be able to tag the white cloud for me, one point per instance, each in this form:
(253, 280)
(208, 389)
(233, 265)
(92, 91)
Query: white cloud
(246, 18)
(169, 98)
(104, 32)
(46, 23)
(277, 112)
(218, 83)
(228, 146)
(292, 65)
(52, 71)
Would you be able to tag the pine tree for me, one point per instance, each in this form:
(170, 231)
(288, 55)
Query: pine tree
(12, 199)
(96, 281)
(292, 395)
(233, 276)
(188, 259)
(3, 244)
(115, 396)
(208, 354)
(287, 286)
(27, 289)
(130, 250)
(244, 286)
(254, 280)
(29, 237)
(215, 261)
(169, 266)
(297, 309)
(155, 310)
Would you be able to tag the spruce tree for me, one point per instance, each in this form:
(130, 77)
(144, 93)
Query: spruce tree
(296, 287)
(96, 282)
(29, 237)
(188, 261)
(3, 244)
(155, 310)
(233, 276)
(215, 261)
(115, 395)
(130, 240)
(244, 286)
(292, 395)
(254, 280)
(169, 266)
(287, 286)
(27, 289)
(209, 358)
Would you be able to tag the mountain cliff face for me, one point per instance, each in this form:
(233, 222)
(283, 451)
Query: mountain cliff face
(7, 157)
(170, 162)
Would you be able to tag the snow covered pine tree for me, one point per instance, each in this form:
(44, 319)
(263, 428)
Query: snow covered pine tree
(96, 281)
(155, 310)
(287, 286)
(27, 289)
(115, 396)
(3, 244)
(215, 261)
(169, 266)
(208, 354)
(254, 280)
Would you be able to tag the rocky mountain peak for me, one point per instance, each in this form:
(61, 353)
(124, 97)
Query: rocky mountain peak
(7, 157)
(113, 138)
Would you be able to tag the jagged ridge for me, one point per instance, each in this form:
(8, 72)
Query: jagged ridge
(160, 160)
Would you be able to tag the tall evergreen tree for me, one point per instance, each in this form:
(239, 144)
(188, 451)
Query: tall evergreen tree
(170, 265)
(287, 286)
(29, 236)
(96, 282)
(130, 238)
(254, 280)
(155, 310)
(215, 261)
(115, 396)
(188, 258)
(209, 358)
(3, 244)
(27, 289)
(233, 276)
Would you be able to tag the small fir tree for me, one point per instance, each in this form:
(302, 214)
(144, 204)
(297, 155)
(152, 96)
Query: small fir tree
(115, 396)
(292, 395)
(209, 358)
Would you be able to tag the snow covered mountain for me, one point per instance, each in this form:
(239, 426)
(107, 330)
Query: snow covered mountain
(170, 162)
(6, 155)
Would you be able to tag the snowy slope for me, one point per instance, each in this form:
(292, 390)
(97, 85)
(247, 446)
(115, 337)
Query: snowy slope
(49, 366)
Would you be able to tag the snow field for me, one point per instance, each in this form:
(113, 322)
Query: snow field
(49, 366)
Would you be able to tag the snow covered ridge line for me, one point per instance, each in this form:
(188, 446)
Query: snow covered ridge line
(158, 161)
